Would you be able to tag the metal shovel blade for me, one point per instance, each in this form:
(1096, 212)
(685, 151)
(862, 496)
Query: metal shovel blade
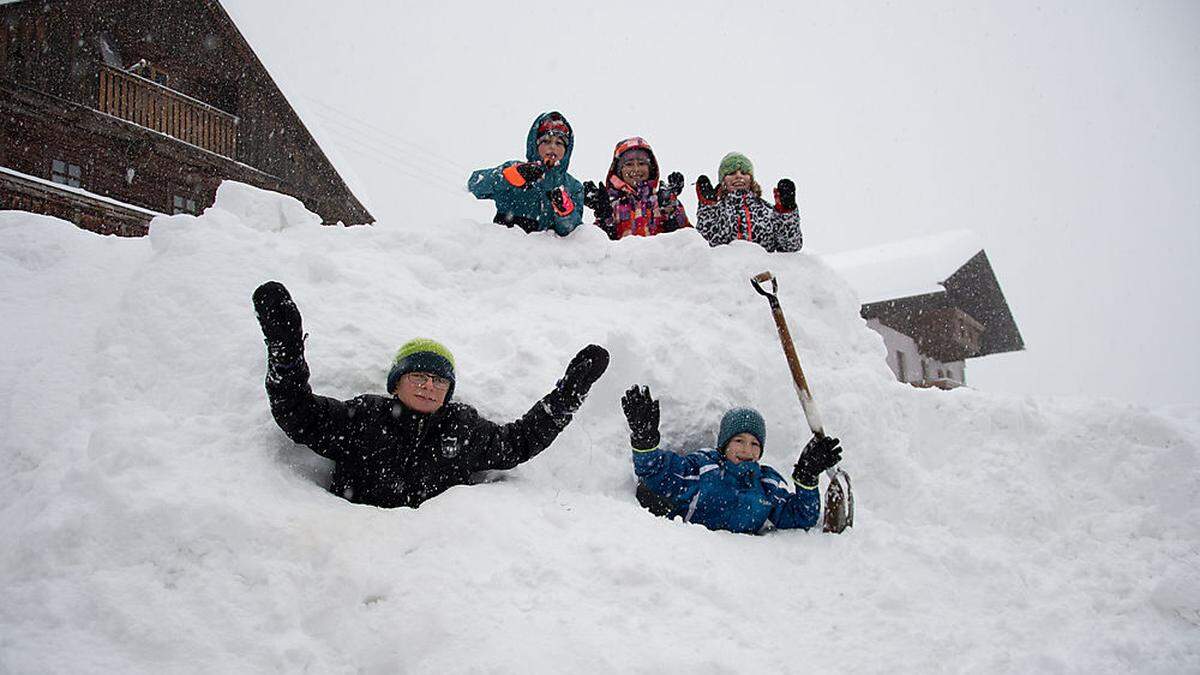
(839, 502)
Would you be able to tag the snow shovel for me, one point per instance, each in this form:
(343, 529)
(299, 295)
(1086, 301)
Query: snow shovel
(839, 498)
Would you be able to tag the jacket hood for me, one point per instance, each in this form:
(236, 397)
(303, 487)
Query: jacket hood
(632, 143)
(531, 153)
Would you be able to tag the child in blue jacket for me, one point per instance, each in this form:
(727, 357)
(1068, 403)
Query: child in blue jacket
(727, 488)
(537, 194)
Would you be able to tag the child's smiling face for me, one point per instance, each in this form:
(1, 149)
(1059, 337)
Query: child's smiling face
(738, 181)
(743, 448)
(635, 170)
(551, 150)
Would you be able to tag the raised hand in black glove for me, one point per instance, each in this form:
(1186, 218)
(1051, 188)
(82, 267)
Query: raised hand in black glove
(675, 182)
(596, 199)
(531, 171)
(641, 411)
(668, 193)
(280, 321)
(785, 196)
(560, 199)
(591, 194)
(820, 454)
(705, 190)
(582, 372)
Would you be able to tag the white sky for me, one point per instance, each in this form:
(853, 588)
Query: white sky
(1064, 133)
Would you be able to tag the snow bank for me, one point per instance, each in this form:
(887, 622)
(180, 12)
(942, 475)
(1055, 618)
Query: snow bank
(156, 520)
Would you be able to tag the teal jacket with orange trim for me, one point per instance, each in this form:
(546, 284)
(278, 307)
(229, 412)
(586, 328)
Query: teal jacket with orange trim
(706, 488)
(528, 206)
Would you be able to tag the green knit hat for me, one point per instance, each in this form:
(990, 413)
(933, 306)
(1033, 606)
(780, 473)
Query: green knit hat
(422, 355)
(734, 161)
(742, 420)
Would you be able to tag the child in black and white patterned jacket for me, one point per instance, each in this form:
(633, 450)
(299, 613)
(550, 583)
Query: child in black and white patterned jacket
(735, 209)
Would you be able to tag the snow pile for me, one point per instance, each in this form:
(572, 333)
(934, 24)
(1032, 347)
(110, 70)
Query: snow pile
(155, 519)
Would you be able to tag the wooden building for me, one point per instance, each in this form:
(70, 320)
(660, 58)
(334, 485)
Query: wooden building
(112, 111)
(936, 302)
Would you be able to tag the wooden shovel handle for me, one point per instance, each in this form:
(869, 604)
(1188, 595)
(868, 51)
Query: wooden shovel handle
(789, 352)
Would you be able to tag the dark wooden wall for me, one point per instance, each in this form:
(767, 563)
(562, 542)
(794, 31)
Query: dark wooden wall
(36, 130)
(55, 50)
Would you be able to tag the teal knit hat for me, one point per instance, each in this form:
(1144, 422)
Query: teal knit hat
(422, 355)
(742, 420)
(734, 161)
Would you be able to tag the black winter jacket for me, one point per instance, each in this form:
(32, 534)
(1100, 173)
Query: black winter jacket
(389, 455)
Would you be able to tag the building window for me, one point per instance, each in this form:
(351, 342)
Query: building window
(65, 173)
(181, 204)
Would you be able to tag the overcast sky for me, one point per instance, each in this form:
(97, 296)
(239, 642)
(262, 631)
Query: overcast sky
(1064, 133)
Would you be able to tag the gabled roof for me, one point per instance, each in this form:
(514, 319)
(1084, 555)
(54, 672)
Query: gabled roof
(210, 66)
(896, 282)
(226, 23)
(905, 268)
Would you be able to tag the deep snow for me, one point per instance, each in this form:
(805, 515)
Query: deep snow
(156, 520)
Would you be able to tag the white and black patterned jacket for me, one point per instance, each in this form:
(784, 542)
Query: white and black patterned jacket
(741, 215)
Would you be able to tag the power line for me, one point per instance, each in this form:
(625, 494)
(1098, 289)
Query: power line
(387, 160)
(343, 116)
(400, 156)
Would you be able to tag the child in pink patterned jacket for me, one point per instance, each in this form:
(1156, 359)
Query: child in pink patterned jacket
(632, 201)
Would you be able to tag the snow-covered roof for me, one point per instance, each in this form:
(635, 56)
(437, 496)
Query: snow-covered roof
(324, 149)
(79, 191)
(905, 268)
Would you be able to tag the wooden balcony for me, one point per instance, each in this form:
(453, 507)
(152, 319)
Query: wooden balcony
(151, 105)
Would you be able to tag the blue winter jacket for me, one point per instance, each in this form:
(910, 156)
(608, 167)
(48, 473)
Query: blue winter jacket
(529, 208)
(706, 488)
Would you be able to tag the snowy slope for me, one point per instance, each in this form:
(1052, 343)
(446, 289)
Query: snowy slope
(156, 520)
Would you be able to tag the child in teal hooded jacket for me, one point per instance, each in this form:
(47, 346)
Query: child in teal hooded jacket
(537, 194)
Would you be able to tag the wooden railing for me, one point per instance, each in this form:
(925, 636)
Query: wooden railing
(151, 105)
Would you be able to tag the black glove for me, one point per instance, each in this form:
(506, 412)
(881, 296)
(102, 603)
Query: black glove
(785, 196)
(675, 182)
(668, 193)
(820, 454)
(705, 190)
(583, 371)
(561, 200)
(591, 194)
(531, 171)
(596, 199)
(642, 413)
(280, 321)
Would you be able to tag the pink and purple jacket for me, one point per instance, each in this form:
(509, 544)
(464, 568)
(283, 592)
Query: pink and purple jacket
(636, 210)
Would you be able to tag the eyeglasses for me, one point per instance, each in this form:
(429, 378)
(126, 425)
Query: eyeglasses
(421, 379)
